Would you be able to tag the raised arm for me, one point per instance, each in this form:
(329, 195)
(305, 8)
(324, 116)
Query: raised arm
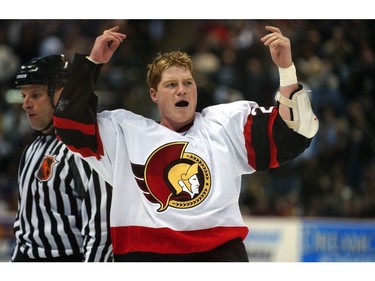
(76, 112)
(105, 45)
(294, 104)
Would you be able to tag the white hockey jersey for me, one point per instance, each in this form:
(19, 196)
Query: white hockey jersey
(174, 193)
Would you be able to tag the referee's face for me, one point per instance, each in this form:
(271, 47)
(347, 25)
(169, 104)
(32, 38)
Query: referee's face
(37, 105)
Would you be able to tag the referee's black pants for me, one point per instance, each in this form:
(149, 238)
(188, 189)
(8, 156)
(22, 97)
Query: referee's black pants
(20, 257)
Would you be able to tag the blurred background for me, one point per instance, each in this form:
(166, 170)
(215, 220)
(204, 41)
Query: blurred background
(335, 60)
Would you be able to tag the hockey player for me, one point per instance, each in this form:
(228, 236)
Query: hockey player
(176, 182)
(63, 205)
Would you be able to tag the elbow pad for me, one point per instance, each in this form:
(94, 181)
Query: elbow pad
(304, 120)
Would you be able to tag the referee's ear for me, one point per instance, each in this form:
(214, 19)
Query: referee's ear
(56, 96)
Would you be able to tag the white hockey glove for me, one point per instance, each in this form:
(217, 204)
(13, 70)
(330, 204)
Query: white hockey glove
(304, 120)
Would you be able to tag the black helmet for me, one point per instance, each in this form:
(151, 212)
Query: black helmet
(49, 70)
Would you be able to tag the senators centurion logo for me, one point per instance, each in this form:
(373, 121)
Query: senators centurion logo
(44, 172)
(173, 177)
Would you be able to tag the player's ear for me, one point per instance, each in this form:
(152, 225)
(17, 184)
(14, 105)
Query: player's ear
(153, 95)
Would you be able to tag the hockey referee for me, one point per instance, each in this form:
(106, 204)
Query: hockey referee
(63, 205)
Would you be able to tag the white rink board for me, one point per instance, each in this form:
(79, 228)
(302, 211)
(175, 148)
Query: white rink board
(273, 239)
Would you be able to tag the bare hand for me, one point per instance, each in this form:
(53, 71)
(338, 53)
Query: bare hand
(106, 44)
(280, 47)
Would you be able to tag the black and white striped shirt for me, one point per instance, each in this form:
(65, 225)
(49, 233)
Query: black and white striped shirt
(63, 205)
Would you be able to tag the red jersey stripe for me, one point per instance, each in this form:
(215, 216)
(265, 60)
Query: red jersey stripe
(126, 239)
(248, 143)
(273, 149)
(63, 123)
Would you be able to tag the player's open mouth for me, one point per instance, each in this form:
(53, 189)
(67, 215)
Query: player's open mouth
(182, 104)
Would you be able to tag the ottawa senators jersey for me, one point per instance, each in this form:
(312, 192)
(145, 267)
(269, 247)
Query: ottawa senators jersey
(173, 192)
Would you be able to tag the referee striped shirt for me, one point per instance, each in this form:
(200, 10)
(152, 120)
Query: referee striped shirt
(63, 205)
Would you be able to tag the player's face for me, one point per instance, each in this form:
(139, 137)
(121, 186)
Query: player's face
(37, 105)
(176, 97)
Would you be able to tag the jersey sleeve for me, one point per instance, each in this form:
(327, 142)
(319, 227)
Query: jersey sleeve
(76, 111)
(260, 137)
(269, 142)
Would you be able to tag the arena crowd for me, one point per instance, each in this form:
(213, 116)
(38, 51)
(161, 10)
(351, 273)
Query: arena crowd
(335, 59)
